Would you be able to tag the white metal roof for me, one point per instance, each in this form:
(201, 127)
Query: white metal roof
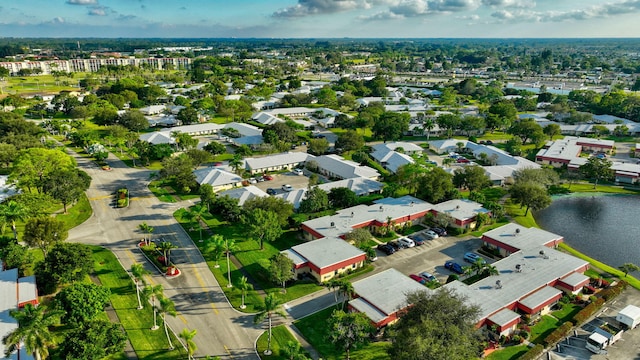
(387, 290)
(533, 300)
(522, 237)
(460, 209)
(345, 169)
(503, 317)
(244, 193)
(216, 177)
(288, 158)
(327, 251)
(27, 291)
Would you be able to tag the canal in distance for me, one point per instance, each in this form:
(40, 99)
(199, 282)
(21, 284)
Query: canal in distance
(604, 227)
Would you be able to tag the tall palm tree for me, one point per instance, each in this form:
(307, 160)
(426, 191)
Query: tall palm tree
(490, 270)
(215, 247)
(236, 163)
(166, 248)
(146, 229)
(427, 126)
(347, 291)
(12, 211)
(229, 246)
(272, 306)
(188, 339)
(243, 285)
(196, 214)
(138, 271)
(167, 307)
(33, 331)
(150, 293)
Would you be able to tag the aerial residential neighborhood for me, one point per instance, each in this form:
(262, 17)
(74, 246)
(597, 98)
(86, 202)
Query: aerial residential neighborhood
(302, 199)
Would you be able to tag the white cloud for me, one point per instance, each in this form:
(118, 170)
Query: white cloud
(82, 2)
(315, 7)
(98, 11)
(510, 3)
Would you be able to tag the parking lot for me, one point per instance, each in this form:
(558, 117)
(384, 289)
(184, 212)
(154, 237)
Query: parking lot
(627, 348)
(289, 178)
(430, 256)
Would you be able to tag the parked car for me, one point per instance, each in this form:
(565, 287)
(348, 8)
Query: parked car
(454, 266)
(406, 242)
(418, 240)
(440, 231)
(428, 277)
(253, 181)
(396, 245)
(488, 142)
(473, 257)
(217, 163)
(287, 187)
(267, 177)
(418, 279)
(462, 160)
(298, 172)
(386, 248)
(430, 234)
(271, 191)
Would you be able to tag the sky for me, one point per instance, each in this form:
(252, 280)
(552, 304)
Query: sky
(320, 18)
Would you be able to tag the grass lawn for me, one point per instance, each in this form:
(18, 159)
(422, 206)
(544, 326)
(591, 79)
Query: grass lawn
(508, 353)
(518, 214)
(76, 214)
(165, 190)
(315, 329)
(567, 312)
(608, 189)
(280, 336)
(147, 344)
(254, 260)
(543, 328)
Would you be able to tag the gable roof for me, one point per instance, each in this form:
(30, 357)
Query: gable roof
(407, 146)
(387, 290)
(158, 137)
(216, 177)
(359, 185)
(391, 160)
(244, 194)
(460, 209)
(345, 169)
(277, 160)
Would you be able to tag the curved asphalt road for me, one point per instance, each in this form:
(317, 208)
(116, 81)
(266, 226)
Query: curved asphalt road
(201, 304)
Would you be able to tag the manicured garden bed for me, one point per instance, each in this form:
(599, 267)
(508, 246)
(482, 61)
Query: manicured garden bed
(508, 353)
(122, 198)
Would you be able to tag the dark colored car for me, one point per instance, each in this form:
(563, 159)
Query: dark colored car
(462, 160)
(488, 142)
(440, 231)
(386, 248)
(416, 239)
(271, 191)
(396, 245)
(454, 266)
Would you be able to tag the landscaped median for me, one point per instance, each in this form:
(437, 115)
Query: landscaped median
(148, 344)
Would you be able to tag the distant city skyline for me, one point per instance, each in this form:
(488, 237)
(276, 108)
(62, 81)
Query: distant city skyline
(320, 18)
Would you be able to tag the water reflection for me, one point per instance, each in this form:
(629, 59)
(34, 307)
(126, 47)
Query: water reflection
(603, 227)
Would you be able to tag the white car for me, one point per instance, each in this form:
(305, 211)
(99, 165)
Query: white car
(430, 234)
(253, 181)
(406, 242)
(298, 172)
(287, 187)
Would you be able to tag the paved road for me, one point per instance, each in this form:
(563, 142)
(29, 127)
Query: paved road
(201, 304)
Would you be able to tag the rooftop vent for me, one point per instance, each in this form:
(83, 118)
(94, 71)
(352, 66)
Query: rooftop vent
(543, 254)
(517, 232)
(518, 268)
(352, 214)
(498, 284)
(380, 207)
(333, 224)
(457, 207)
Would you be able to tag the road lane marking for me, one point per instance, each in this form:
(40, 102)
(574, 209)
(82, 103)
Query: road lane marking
(195, 271)
(100, 197)
(227, 350)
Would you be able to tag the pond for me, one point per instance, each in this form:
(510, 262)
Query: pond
(604, 227)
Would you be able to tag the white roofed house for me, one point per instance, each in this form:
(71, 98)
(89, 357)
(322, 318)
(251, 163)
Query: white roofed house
(391, 160)
(325, 258)
(158, 137)
(335, 166)
(15, 293)
(243, 194)
(217, 178)
(249, 134)
(462, 211)
(153, 109)
(285, 161)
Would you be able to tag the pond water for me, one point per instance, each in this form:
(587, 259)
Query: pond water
(604, 227)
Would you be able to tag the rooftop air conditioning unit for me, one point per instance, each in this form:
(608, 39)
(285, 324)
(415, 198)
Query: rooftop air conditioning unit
(498, 284)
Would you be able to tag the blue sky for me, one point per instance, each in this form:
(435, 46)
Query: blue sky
(320, 18)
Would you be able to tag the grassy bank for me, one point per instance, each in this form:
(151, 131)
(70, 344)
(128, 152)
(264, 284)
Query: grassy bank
(136, 323)
(280, 336)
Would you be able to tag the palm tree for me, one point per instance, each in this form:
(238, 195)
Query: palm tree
(146, 229)
(138, 271)
(272, 306)
(189, 343)
(215, 246)
(333, 285)
(13, 211)
(167, 307)
(236, 162)
(32, 331)
(243, 285)
(196, 214)
(166, 248)
(347, 291)
(490, 270)
(628, 267)
(151, 292)
(427, 126)
(229, 246)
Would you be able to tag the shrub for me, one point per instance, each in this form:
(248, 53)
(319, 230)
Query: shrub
(613, 291)
(559, 333)
(533, 353)
(588, 310)
(524, 335)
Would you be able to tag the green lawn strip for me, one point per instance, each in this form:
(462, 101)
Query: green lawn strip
(137, 323)
(543, 328)
(160, 192)
(567, 312)
(280, 336)
(518, 214)
(485, 228)
(602, 266)
(508, 353)
(253, 260)
(76, 214)
(608, 189)
(315, 328)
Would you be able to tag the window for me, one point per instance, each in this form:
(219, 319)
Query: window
(353, 266)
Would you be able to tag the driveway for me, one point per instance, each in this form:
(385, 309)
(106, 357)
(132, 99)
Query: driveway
(200, 302)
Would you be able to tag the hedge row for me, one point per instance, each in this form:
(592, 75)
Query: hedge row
(584, 314)
(533, 353)
(613, 291)
(559, 333)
